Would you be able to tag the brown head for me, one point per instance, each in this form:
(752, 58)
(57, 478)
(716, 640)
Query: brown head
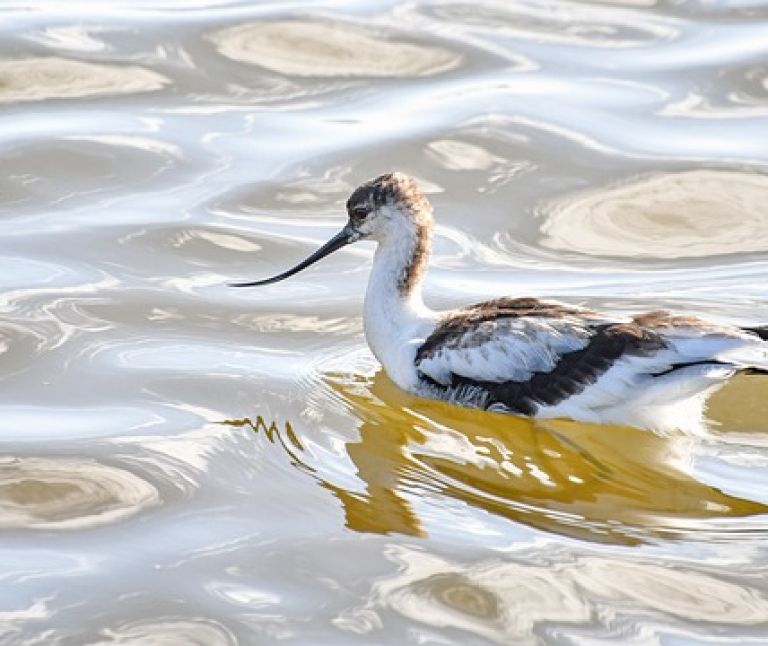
(389, 207)
(383, 206)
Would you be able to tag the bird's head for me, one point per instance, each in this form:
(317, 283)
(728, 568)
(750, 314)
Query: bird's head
(390, 207)
(385, 206)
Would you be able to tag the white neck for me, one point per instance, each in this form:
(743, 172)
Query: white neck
(396, 319)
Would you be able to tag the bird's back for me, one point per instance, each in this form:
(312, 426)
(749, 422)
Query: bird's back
(548, 359)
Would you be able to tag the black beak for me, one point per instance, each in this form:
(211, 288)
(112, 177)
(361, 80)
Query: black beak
(341, 239)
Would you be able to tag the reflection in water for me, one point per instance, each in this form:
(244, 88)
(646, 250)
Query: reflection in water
(34, 79)
(739, 92)
(170, 631)
(97, 166)
(75, 38)
(462, 156)
(518, 600)
(553, 21)
(689, 214)
(604, 483)
(147, 149)
(734, 106)
(285, 436)
(743, 404)
(68, 493)
(320, 49)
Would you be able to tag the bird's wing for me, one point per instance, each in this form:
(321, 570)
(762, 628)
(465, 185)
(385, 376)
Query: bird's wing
(690, 356)
(504, 340)
(547, 356)
(501, 350)
(690, 339)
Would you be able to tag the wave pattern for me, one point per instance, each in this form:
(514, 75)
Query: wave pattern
(186, 463)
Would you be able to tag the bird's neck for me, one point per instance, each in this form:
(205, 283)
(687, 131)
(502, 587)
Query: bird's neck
(395, 315)
(398, 270)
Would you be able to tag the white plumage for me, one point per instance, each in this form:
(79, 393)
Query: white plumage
(509, 349)
(526, 356)
(663, 384)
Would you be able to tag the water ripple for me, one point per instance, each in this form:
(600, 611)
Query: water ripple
(37, 79)
(680, 215)
(68, 493)
(167, 631)
(318, 49)
(560, 22)
(98, 166)
(186, 462)
(520, 601)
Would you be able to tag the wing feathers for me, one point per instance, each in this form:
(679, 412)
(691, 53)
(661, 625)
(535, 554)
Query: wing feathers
(521, 354)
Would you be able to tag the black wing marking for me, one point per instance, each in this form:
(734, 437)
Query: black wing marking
(571, 374)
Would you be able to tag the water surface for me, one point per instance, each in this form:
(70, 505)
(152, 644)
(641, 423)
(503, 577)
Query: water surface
(184, 463)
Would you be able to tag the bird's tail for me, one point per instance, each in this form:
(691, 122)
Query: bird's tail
(760, 330)
(755, 363)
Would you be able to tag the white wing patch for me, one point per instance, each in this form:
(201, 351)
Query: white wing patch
(650, 380)
(512, 356)
(506, 349)
(729, 345)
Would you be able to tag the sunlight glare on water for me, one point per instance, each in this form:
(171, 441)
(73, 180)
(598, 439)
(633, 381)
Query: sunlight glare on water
(184, 463)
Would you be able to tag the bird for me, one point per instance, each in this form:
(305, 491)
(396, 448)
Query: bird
(524, 355)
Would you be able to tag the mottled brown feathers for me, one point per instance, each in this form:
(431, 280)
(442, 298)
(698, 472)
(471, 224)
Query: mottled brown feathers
(402, 192)
(396, 189)
(457, 324)
(658, 319)
(574, 370)
(414, 270)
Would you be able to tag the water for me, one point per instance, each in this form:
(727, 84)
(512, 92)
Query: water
(185, 463)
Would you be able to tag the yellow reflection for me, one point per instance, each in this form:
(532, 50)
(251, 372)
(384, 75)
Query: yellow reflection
(608, 483)
(598, 482)
(743, 404)
(674, 215)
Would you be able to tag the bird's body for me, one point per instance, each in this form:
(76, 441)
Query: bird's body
(523, 355)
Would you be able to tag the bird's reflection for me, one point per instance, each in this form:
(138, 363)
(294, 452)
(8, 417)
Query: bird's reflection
(283, 435)
(605, 483)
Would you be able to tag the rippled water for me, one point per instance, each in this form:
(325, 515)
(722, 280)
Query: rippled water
(184, 463)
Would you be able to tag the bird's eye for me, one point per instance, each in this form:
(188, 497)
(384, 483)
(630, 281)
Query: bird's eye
(359, 213)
